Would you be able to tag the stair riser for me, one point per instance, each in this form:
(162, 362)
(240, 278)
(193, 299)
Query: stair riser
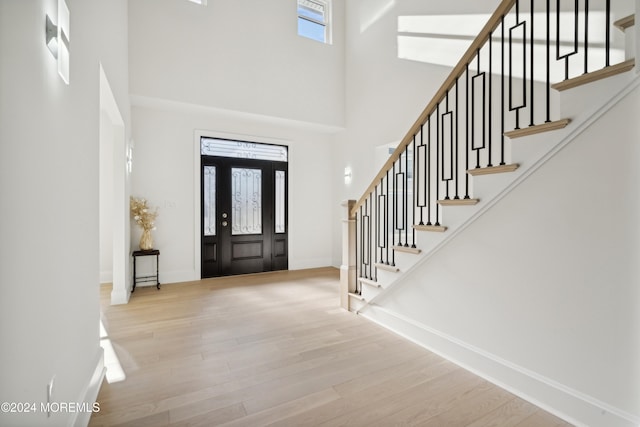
(355, 304)
(630, 43)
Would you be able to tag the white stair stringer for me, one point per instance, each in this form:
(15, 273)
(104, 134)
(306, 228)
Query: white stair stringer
(580, 105)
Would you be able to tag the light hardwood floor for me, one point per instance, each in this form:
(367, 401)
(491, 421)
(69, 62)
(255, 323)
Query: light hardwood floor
(276, 349)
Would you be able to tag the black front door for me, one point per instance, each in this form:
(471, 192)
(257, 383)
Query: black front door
(244, 216)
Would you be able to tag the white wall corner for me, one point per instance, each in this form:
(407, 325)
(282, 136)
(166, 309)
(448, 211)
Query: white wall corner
(89, 394)
(106, 276)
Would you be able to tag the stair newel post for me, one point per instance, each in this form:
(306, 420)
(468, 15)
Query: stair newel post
(349, 242)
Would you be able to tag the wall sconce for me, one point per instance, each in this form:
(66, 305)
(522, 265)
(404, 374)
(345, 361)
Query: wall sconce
(57, 39)
(51, 30)
(347, 175)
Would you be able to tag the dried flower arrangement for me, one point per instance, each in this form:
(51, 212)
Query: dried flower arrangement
(145, 218)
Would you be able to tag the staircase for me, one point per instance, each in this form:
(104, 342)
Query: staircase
(533, 80)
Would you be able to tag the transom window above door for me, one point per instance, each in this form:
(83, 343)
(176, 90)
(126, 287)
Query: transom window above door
(243, 149)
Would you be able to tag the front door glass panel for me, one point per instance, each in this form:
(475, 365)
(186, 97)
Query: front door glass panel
(209, 200)
(246, 201)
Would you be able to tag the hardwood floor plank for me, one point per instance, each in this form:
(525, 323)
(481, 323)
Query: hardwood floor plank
(275, 349)
(509, 414)
(287, 409)
(213, 418)
(542, 418)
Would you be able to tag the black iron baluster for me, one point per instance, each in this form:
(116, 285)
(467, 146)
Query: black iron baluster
(387, 218)
(531, 79)
(480, 77)
(364, 241)
(358, 267)
(607, 28)
(548, 61)
(369, 243)
(466, 119)
(457, 159)
(420, 177)
(567, 55)
(446, 177)
(523, 103)
(376, 212)
(392, 239)
(502, 113)
(428, 170)
(395, 205)
(490, 115)
(414, 192)
(437, 180)
(586, 36)
(382, 218)
(406, 195)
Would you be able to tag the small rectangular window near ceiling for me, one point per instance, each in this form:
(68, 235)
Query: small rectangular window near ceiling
(313, 20)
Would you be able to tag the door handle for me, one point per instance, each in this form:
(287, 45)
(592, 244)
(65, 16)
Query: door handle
(225, 223)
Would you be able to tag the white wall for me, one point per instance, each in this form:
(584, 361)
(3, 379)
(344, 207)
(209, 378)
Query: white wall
(106, 198)
(49, 251)
(237, 55)
(234, 68)
(166, 164)
(541, 293)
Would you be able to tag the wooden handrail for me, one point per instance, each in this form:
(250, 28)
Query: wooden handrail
(457, 71)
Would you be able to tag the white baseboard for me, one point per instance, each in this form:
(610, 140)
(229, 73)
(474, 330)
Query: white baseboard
(176, 276)
(569, 404)
(89, 394)
(106, 276)
(304, 264)
(120, 296)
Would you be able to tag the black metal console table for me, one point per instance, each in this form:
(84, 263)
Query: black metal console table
(152, 278)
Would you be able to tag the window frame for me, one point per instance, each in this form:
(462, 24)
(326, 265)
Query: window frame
(326, 24)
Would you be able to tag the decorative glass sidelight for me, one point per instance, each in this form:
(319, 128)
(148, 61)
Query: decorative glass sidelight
(246, 201)
(280, 202)
(209, 200)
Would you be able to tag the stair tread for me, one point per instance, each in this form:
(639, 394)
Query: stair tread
(626, 22)
(356, 296)
(369, 282)
(436, 228)
(407, 249)
(593, 76)
(493, 169)
(458, 202)
(386, 267)
(531, 130)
